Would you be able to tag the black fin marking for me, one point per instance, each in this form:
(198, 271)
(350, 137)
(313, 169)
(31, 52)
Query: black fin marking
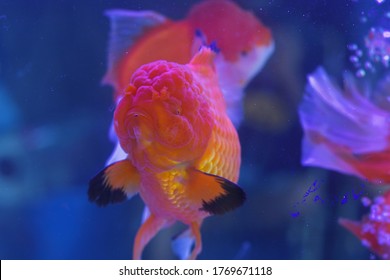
(102, 193)
(232, 197)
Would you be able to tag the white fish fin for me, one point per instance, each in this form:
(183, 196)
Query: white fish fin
(126, 27)
(231, 87)
(182, 244)
(234, 103)
(116, 155)
(234, 76)
(112, 134)
(145, 214)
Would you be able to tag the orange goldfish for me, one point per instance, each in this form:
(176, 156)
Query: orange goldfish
(140, 37)
(374, 229)
(183, 152)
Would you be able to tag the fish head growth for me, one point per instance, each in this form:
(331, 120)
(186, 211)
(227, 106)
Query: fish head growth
(163, 118)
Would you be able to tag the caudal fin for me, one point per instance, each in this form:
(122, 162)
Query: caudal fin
(127, 27)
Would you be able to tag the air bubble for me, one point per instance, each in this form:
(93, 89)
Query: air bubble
(368, 66)
(366, 243)
(385, 60)
(368, 227)
(352, 47)
(366, 201)
(360, 73)
(354, 59)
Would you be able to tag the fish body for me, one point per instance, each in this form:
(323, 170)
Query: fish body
(374, 228)
(183, 152)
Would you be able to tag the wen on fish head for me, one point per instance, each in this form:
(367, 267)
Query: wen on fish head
(163, 118)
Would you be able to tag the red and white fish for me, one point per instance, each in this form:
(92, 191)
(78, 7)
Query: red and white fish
(374, 229)
(139, 37)
(347, 130)
(182, 150)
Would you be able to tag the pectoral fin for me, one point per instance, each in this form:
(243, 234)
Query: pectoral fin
(215, 194)
(114, 183)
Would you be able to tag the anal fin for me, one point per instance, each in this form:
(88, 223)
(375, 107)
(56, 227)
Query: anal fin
(216, 194)
(114, 183)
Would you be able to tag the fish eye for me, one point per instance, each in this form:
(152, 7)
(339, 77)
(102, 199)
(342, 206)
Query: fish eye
(178, 111)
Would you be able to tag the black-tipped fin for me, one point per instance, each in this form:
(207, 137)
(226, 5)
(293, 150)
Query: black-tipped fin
(216, 194)
(115, 183)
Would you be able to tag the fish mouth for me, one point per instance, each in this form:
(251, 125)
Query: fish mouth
(135, 113)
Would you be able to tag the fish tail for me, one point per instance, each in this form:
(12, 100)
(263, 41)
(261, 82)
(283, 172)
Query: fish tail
(146, 232)
(195, 229)
(126, 28)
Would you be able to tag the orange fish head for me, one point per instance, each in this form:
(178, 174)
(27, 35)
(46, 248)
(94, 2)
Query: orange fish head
(164, 116)
(244, 41)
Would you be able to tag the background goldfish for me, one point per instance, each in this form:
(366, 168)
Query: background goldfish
(345, 130)
(183, 150)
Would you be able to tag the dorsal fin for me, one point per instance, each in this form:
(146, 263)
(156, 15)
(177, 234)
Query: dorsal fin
(126, 27)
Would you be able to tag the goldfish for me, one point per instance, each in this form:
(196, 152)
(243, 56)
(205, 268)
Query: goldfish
(346, 130)
(139, 37)
(374, 228)
(182, 151)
